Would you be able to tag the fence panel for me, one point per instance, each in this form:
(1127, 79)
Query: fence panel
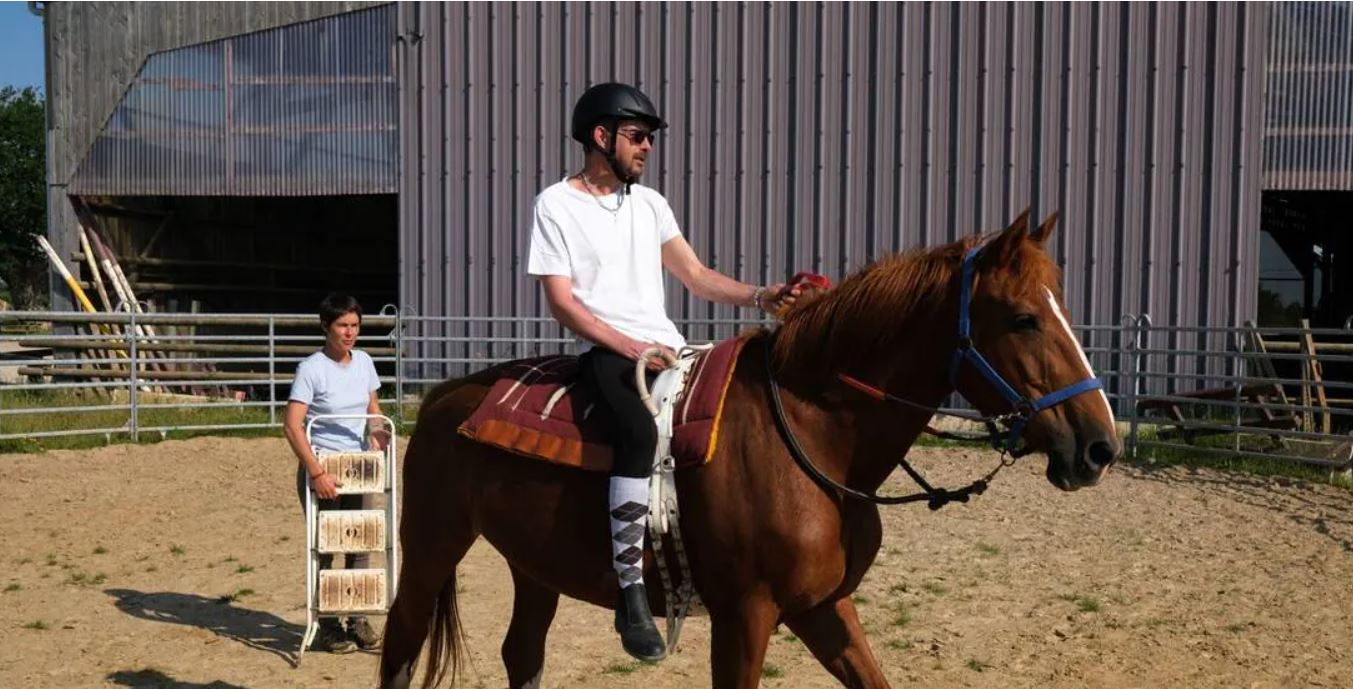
(1277, 394)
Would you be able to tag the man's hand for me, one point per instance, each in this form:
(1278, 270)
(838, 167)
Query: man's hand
(635, 349)
(778, 297)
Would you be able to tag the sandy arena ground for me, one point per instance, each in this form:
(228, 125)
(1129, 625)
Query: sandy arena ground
(116, 560)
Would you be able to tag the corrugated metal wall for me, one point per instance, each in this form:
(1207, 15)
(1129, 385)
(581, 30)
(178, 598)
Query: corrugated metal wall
(819, 136)
(1308, 117)
(93, 51)
(306, 109)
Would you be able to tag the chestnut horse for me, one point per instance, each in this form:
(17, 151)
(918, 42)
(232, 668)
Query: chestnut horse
(767, 543)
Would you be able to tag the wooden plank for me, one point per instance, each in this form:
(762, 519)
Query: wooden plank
(1261, 358)
(1312, 370)
(1320, 347)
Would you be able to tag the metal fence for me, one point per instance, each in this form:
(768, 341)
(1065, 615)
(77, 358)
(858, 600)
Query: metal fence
(1284, 394)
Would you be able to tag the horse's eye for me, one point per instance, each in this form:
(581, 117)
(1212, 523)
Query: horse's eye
(1026, 321)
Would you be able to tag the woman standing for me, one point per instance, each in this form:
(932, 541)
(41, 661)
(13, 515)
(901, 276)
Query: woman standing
(338, 379)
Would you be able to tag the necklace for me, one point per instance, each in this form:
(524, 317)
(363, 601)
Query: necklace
(592, 191)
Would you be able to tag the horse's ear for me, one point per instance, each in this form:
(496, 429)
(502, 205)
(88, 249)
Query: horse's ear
(1044, 231)
(1004, 247)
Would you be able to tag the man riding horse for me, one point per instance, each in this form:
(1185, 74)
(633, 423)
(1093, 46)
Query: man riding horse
(599, 243)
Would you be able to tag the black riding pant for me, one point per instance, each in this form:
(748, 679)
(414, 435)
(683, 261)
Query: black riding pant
(633, 433)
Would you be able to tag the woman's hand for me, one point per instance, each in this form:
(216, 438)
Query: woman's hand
(325, 485)
(380, 439)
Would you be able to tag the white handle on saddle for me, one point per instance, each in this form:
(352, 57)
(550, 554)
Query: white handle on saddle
(641, 380)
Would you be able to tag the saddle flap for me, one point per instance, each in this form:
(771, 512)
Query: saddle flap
(536, 408)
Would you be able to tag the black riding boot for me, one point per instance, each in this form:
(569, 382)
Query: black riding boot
(638, 633)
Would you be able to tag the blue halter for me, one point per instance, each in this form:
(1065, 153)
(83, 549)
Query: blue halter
(1024, 409)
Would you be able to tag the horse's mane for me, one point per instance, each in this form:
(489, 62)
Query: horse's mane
(870, 309)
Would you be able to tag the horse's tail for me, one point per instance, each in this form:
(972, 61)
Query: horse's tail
(446, 651)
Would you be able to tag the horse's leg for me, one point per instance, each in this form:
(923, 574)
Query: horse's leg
(832, 632)
(426, 574)
(533, 609)
(436, 532)
(738, 642)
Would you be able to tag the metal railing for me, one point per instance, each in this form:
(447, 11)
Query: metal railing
(1284, 394)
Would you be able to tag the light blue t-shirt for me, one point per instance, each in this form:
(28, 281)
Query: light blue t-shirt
(328, 387)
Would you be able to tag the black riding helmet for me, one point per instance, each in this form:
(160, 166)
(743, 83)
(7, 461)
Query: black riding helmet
(609, 103)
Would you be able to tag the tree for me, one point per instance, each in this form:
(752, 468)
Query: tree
(23, 196)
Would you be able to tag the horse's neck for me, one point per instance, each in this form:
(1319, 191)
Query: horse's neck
(861, 439)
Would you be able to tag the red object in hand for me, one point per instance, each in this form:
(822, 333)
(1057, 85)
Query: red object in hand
(806, 279)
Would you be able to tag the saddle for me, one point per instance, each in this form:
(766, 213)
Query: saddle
(537, 408)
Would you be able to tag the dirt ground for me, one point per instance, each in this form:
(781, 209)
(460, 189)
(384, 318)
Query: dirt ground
(116, 562)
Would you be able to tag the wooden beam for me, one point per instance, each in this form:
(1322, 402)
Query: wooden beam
(1312, 372)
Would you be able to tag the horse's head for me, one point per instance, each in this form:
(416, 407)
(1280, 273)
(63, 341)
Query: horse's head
(1020, 326)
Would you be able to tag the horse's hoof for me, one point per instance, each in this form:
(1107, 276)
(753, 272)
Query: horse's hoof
(638, 633)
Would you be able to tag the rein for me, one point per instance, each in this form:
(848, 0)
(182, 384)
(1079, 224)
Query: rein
(1023, 409)
(935, 498)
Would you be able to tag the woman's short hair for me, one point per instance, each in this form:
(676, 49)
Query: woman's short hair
(336, 306)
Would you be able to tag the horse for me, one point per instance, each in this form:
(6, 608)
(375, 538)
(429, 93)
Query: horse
(767, 543)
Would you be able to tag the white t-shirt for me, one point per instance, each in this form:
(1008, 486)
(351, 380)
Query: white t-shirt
(613, 259)
(329, 387)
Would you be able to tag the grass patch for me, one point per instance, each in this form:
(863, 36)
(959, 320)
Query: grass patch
(230, 559)
(243, 569)
(622, 668)
(1133, 538)
(151, 568)
(84, 579)
(927, 440)
(1218, 452)
(177, 549)
(934, 589)
(791, 638)
(900, 644)
(235, 597)
(39, 625)
(1239, 627)
(772, 671)
(1082, 603)
(51, 560)
(977, 666)
(225, 414)
(283, 539)
(860, 599)
(100, 550)
(901, 616)
(13, 586)
(988, 549)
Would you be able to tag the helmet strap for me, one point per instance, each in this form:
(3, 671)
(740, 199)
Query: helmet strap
(625, 179)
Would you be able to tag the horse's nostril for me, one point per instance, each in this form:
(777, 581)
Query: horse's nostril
(1100, 454)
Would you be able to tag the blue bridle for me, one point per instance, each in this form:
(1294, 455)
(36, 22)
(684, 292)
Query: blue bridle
(1023, 408)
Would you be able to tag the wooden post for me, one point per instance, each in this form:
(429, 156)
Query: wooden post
(1311, 373)
(96, 279)
(128, 298)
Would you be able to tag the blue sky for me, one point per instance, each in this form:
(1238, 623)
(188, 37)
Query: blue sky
(20, 46)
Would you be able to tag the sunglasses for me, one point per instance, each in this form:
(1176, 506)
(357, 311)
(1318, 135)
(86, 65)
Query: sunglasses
(637, 136)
